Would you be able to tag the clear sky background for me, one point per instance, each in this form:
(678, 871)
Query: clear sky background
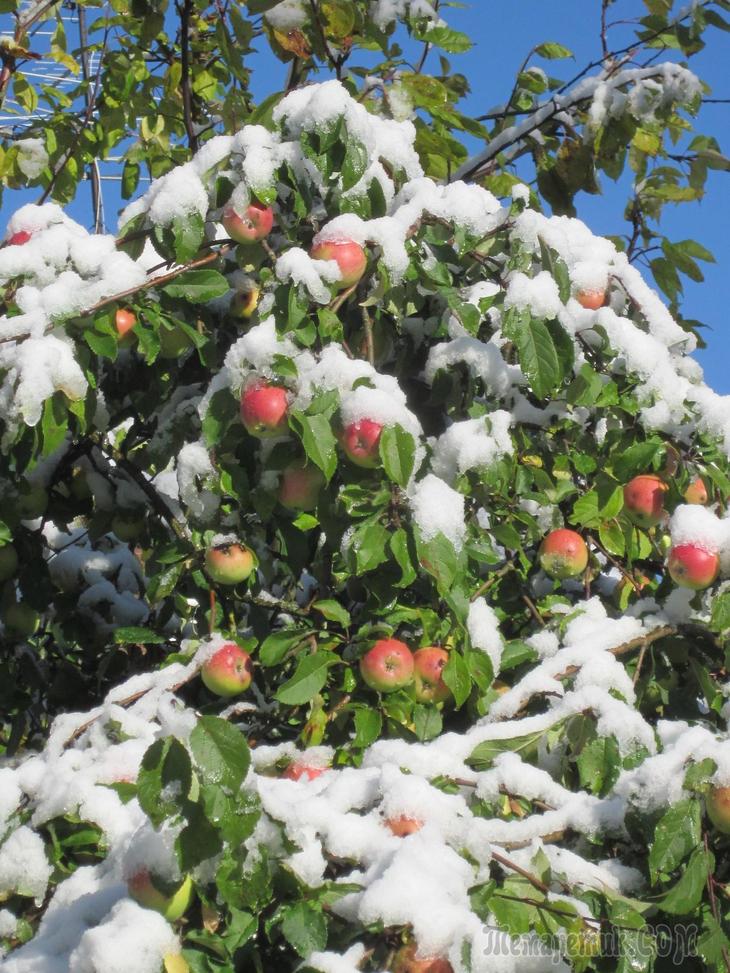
(503, 32)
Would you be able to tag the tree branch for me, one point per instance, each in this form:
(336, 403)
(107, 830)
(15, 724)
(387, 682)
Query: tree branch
(185, 13)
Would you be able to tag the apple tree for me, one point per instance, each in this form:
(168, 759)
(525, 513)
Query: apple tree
(364, 550)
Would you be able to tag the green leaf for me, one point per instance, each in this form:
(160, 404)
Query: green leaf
(720, 620)
(451, 41)
(636, 459)
(483, 755)
(355, 163)
(304, 927)
(315, 433)
(457, 677)
(308, 680)
(164, 779)
(439, 558)
(401, 552)
(369, 546)
(333, 611)
(221, 752)
(198, 286)
(687, 894)
(198, 841)
(398, 453)
(539, 356)
(552, 50)
(427, 722)
(368, 726)
(188, 232)
(105, 345)
(677, 834)
(557, 268)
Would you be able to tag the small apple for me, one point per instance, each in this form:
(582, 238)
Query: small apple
(360, 441)
(401, 825)
(644, 499)
(229, 671)
(696, 492)
(19, 238)
(408, 961)
(8, 562)
(264, 409)
(297, 770)
(717, 803)
(349, 257)
(591, 300)
(78, 485)
(32, 501)
(172, 905)
(128, 524)
(175, 963)
(229, 563)
(428, 666)
(173, 342)
(20, 619)
(244, 303)
(300, 485)
(124, 321)
(387, 666)
(563, 554)
(251, 226)
(691, 566)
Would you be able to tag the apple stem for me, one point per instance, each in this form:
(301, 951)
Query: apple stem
(211, 616)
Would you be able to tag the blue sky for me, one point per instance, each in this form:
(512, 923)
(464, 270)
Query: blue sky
(503, 33)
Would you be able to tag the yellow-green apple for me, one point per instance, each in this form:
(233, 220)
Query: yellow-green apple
(172, 903)
(173, 342)
(300, 485)
(229, 563)
(32, 501)
(644, 499)
(78, 485)
(264, 409)
(563, 554)
(591, 300)
(8, 561)
(19, 238)
(428, 667)
(696, 492)
(251, 226)
(228, 671)
(128, 524)
(175, 963)
(717, 803)
(124, 321)
(20, 619)
(387, 666)
(348, 255)
(298, 769)
(408, 961)
(692, 566)
(401, 825)
(360, 441)
(244, 303)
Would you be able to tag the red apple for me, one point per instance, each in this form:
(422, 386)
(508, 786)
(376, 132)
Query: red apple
(402, 825)
(349, 257)
(718, 808)
(696, 492)
(296, 770)
(264, 409)
(428, 666)
(407, 961)
(8, 561)
(228, 671)
(229, 563)
(694, 567)
(251, 226)
(172, 904)
(591, 300)
(19, 238)
(563, 554)
(124, 321)
(300, 486)
(644, 499)
(360, 441)
(244, 303)
(387, 666)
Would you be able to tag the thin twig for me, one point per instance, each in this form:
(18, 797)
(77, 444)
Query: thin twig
(185, 12)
